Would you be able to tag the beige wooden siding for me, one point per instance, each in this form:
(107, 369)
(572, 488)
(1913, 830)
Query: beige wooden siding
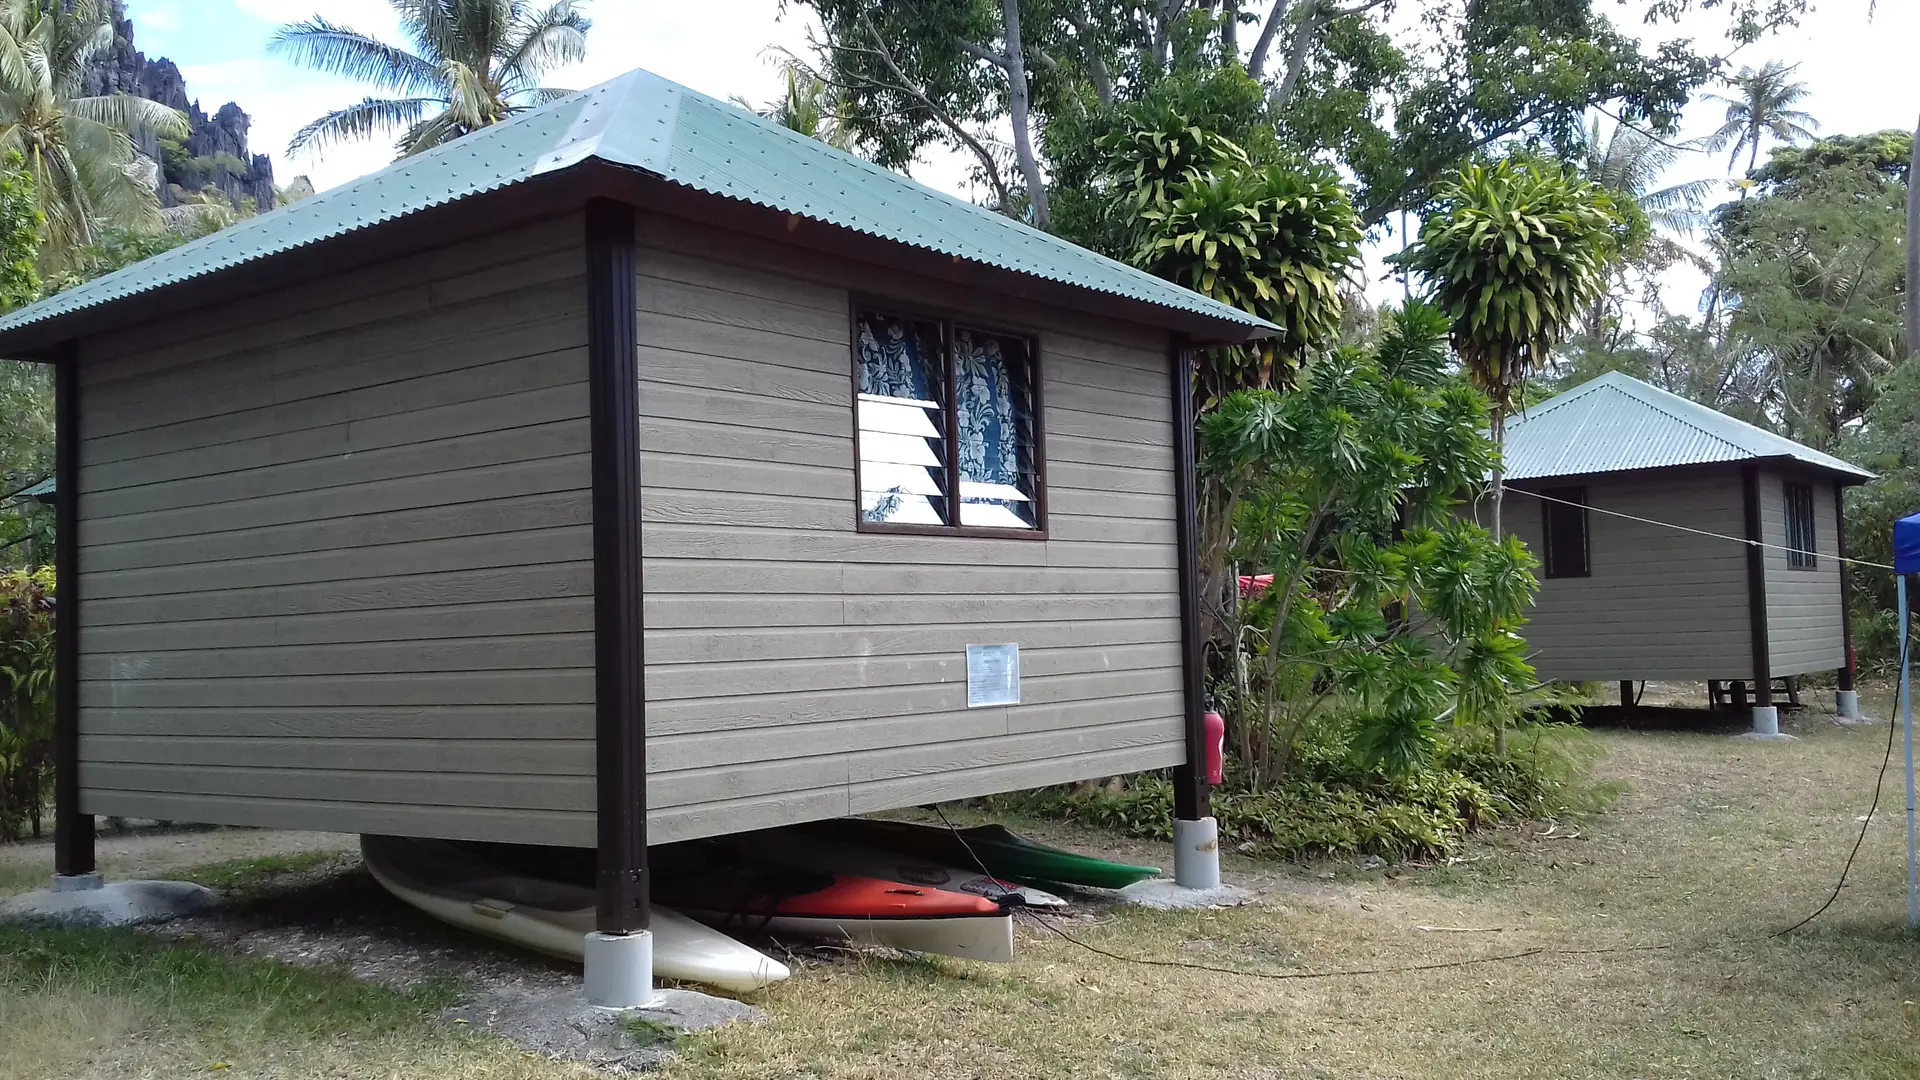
(799, 669)
(334, 547)
(1660, 604)
(1803, 606)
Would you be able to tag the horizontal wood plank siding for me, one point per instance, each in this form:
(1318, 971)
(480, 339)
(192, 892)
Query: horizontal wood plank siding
(799, 669)
(1803, 606)
(336, 553)
(1660, 603)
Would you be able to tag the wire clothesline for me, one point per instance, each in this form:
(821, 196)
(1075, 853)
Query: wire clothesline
(1696, 532)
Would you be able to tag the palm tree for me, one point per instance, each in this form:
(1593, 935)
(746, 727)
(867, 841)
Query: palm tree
(474, 63)
(1514, 254)
(1628, 161)
(809, 106)
(79, 150)
(1761, 106)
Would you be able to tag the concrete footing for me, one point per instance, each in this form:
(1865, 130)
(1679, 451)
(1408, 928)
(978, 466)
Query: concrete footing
(1766, 720)
(1196, 853)
(1846, 705)
(566, 1025)
(1163, 895)
(86, 900)
(620, 970)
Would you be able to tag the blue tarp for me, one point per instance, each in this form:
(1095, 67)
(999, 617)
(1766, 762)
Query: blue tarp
(1906, 545)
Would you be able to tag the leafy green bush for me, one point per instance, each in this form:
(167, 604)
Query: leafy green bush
(1334, 805)
(26, 699)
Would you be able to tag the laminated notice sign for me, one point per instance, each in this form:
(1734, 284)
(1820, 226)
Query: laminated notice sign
(993, 675)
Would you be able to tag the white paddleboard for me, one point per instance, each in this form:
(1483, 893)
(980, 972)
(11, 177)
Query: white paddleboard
(683, 950)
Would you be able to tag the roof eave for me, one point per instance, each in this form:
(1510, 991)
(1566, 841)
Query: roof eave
(1849, 477)
(560, 191)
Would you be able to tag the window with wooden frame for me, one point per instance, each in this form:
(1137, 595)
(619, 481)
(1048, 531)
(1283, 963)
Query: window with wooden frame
(937, 400)
(1564, 540)
(1802, 550)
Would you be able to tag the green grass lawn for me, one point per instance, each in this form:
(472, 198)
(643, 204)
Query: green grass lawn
(1715, 844)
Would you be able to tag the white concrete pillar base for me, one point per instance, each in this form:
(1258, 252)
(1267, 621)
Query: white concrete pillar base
(1196, 853)
(77, 883)
(1766, 719)
(620, 970)
(1846, 704)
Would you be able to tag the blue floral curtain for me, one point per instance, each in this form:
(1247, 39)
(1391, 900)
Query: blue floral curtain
(990, 376)
(899, 358)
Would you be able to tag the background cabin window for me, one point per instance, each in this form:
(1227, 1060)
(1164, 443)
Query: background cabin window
(1801, 549)
(1565, 532)
(938, 402)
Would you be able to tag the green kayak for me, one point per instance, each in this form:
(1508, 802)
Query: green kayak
(1001, 852)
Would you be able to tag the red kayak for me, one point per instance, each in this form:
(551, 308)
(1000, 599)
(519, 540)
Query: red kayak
(731, 887)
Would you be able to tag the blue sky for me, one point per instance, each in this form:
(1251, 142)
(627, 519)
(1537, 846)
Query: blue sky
(1861, 73)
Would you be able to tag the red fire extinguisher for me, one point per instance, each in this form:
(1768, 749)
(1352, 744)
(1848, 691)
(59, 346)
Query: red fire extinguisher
(1216, 733)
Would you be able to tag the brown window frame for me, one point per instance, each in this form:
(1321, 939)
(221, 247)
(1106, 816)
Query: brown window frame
(1548, 566)
(1800, 557)
(948, 324)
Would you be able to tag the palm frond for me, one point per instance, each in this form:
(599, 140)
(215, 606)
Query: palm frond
(128, 113)
(433, 131)
(470, 102)
(430, 26)
(552, 37)
(369, 117)
(340, 50)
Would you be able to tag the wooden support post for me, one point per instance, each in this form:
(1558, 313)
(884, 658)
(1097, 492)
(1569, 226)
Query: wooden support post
(1627, 703)
(1845, 672)
(1757, 588)
(72, 829)
(1191, 793)
(620, 697)
(1737, 689)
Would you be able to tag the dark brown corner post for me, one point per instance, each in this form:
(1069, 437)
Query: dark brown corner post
(1845, 673)
(613, 391)
(1191, 797)
(72, 830)
(1757, 588)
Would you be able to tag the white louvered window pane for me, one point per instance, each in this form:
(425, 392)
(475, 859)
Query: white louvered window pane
(902, 421)
(900, 508)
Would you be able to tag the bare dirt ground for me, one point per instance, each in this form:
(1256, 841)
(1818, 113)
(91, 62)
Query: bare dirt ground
(155, 852)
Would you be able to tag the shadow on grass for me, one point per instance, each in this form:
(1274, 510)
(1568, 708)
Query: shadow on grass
(197, 985)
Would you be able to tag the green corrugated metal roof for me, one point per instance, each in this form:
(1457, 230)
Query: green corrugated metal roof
(642, 121)
(1616, 423)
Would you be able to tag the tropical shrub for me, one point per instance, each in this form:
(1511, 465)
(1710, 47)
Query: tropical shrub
(1367, 602)
(26, 699)
(1334, 803)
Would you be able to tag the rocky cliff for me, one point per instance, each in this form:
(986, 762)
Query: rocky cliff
(213, 155)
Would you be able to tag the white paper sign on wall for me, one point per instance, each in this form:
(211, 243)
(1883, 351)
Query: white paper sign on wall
(993, 675)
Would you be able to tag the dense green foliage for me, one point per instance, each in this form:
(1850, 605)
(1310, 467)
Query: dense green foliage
(1335, 803)
(1332, 83)
(1195, 208)
(1814, 276)
(1384, 612)
(474, 63)
(26, 700)
(20, 222)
